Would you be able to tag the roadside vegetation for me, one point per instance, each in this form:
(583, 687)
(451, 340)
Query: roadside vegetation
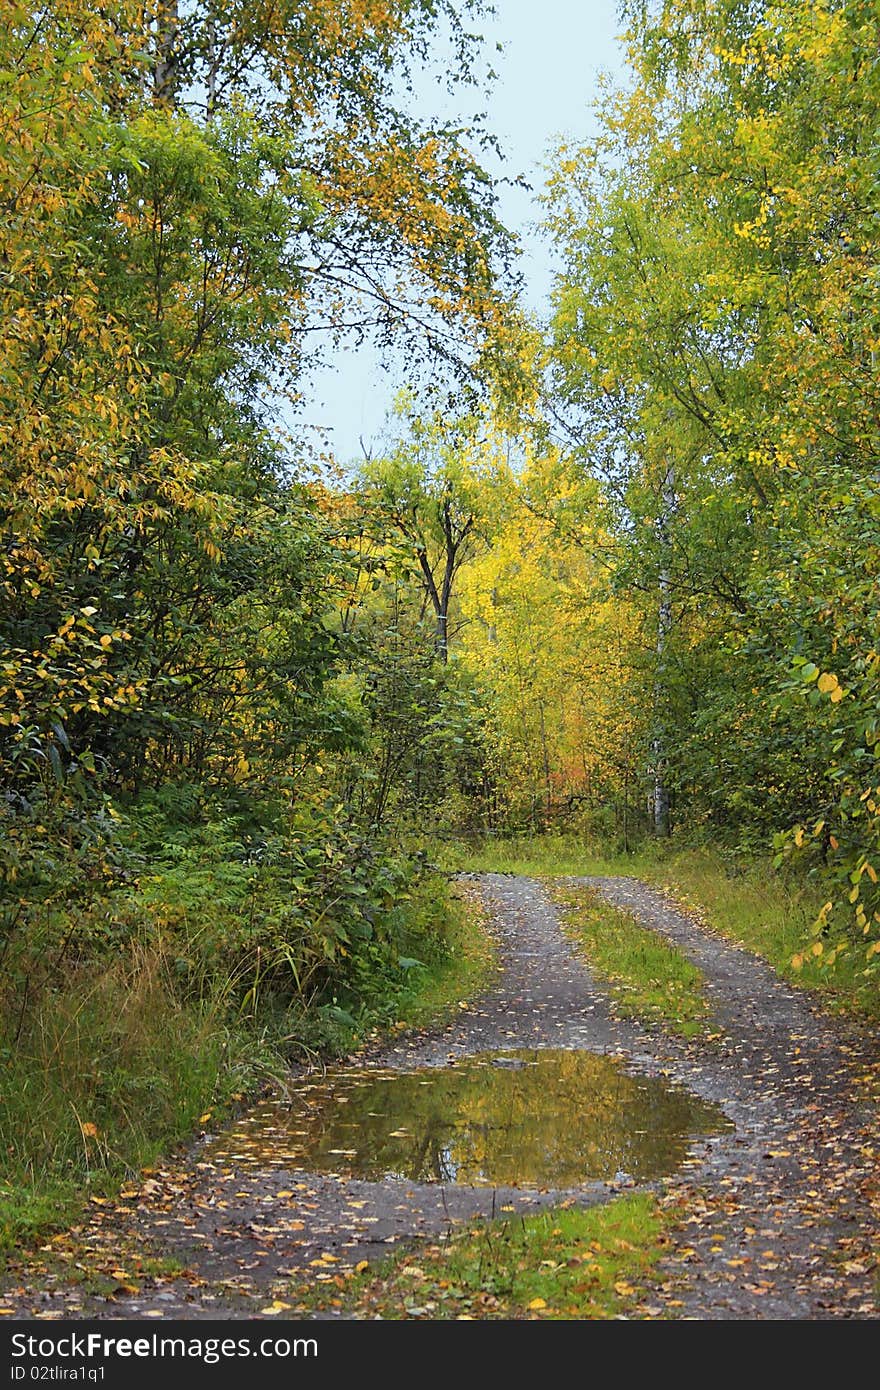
(559, 1264)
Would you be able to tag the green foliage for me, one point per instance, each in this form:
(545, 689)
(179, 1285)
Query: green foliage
(426, 732)
(714, 349)
(290, 904)
(164, 581)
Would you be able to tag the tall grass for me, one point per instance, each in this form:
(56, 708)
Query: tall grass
(103, 1072)
(532, 856)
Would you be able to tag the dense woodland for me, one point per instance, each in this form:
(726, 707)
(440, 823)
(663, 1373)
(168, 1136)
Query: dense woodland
(614, 574)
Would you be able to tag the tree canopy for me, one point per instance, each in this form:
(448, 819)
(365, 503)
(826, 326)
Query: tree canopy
(616, 573)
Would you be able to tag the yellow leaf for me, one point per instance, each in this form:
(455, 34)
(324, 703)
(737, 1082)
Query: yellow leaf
(827, 682)
(537, 1303)
(276, 1307)
(89, 1130)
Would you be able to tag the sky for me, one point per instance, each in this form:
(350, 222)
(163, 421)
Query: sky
(547, 80)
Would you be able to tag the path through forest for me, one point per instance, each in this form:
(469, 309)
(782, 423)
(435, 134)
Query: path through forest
(777, 1214)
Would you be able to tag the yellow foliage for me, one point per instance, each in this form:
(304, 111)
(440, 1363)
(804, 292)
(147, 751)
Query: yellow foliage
(555, 653)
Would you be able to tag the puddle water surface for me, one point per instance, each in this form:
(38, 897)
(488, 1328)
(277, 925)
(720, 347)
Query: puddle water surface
(547, 1118)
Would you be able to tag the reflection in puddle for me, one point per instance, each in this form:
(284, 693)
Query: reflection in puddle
(546, 1118)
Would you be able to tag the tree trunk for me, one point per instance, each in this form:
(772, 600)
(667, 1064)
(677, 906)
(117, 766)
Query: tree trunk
(165, 69)
(664, 624)
(545, 762)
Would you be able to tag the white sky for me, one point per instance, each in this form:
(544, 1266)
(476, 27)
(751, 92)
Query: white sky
(553, 52)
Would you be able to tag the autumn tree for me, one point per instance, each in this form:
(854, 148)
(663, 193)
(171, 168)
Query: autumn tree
(431, 500)
(714, 318)
(194, 197)
(207, 187)
(555, 656)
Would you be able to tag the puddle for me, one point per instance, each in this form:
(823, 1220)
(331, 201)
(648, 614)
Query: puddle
(547, 1118)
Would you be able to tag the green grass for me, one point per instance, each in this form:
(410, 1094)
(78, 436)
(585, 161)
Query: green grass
(106, 1074)
(746, 900)
(565, 1263)
(461, 972)
(650, 978)
(534, 857)
(753, 904)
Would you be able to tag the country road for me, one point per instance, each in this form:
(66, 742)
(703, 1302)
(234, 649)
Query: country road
(776, 1216)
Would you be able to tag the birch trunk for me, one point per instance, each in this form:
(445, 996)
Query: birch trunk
(664, 624)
